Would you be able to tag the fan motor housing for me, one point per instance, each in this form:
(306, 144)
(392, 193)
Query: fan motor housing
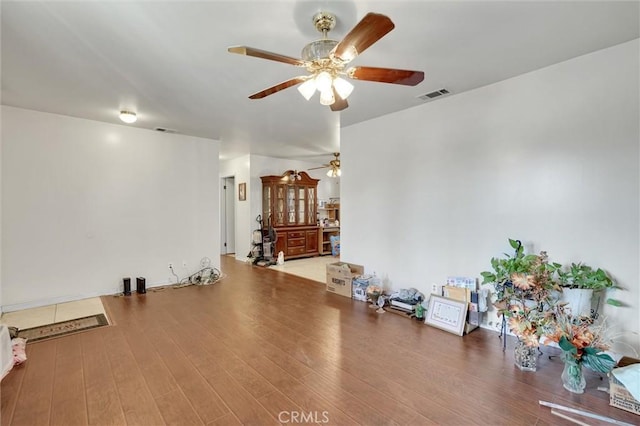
(318, 49)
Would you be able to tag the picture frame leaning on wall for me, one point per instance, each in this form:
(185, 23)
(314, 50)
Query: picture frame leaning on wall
(447, 314)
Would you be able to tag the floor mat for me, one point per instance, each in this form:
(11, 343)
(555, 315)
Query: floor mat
(59, 329)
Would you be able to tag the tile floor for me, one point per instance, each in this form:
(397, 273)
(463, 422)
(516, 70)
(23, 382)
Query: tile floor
(34, 317)
(313, 268)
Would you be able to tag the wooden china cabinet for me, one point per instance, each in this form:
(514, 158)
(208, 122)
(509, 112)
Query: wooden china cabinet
(289, 204)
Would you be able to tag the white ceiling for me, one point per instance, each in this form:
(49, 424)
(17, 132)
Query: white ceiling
(168, 61)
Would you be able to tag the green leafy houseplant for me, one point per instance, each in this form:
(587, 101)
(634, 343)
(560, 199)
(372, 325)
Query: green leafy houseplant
(523, 287)
(582, 276)
(519, 265)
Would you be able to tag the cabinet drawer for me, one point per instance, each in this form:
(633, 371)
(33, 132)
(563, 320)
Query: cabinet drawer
(295, 242)
(291, 251)
(295, 234)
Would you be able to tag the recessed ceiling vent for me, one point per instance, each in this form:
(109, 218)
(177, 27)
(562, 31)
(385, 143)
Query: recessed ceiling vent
(433, 95)
(164, 130)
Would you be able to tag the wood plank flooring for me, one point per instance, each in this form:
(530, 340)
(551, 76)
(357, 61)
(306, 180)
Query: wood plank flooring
(262, 347)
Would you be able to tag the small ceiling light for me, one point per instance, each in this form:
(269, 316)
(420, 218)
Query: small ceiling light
(128, 117)
(308, 88)
(334, 173)
(323, 81)
(343, 87)
(326, 97)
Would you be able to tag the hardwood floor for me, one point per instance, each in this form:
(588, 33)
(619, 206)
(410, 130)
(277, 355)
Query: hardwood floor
(263, 347)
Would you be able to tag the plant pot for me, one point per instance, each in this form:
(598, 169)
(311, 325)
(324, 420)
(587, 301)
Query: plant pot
(525, 357)
(572, 375)
(578, 299)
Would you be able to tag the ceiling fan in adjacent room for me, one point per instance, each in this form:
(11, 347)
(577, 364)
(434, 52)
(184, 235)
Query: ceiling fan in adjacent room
(334, 166)
(326, 61)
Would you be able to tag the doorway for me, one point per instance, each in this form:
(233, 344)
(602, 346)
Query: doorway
(228, 216)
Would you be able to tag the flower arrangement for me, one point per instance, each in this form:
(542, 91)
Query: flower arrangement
(523, 286)
(582, 343)
(526, 297)
(580, 340)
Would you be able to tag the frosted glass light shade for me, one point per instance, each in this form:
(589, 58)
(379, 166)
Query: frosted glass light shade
(308, 88)
(343, 87)
(128, 117)
(326, 97)
(323, 81)
(334, 173)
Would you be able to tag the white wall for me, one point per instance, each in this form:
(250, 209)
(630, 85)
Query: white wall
(87, 203)
(1, 308)
(550, 157)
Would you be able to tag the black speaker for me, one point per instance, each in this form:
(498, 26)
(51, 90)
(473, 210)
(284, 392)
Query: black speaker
(127, 286)
(141, 286)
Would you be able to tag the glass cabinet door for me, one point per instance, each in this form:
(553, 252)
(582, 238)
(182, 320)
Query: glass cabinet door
(266, 202)
(302, 201)
(291, 205)
(311, 206)
(278, 220)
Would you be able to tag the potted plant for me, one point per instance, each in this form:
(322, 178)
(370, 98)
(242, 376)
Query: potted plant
(579, 282)
(532, 273)
(582, 343)
(523, 294)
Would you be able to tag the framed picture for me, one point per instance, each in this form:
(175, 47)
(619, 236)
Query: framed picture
(242, 191)
(446, 314)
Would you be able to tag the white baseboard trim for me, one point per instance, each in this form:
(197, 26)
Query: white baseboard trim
(71, 298)
(51, 301)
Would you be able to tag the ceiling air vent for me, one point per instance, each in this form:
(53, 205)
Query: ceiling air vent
(164, 130)
(433, 95)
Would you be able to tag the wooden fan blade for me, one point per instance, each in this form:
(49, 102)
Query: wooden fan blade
(339, 104)
(370, 29)
(386, 75)
(278, 87)
(321, 167)
(257, 53)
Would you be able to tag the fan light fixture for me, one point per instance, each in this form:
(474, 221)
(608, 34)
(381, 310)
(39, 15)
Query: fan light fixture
(324, 78)
(128, 117)
(326, 61)
(343, 87)
(308, 88)
(325, 83)
(334, 173)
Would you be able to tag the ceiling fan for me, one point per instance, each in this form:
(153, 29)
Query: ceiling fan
(326, 61)
(334, 166)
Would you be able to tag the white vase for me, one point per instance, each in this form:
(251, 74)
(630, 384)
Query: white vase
(578, 299)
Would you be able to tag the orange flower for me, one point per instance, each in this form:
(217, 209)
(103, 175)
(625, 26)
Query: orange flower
(553, 337)
(523, 281)
(582, 338)
(530, 339)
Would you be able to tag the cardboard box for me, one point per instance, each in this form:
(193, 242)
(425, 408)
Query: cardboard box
(340, 276)
(619, 396)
